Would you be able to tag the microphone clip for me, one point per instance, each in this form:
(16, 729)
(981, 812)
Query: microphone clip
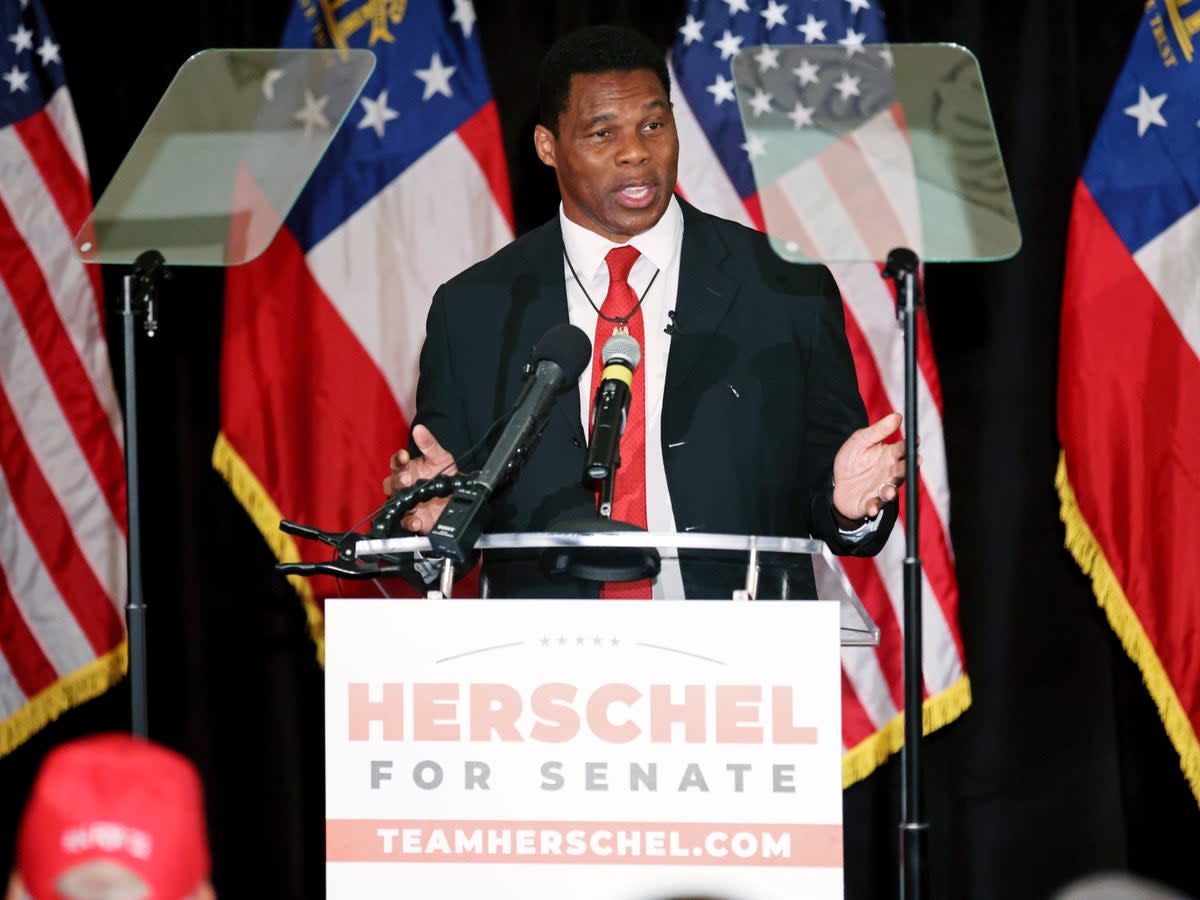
(346, 564)
(673, 328)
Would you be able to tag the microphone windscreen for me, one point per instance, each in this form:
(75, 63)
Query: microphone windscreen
(621, 348)
(567, 346)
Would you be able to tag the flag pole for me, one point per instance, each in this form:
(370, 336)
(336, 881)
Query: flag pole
(901, 268)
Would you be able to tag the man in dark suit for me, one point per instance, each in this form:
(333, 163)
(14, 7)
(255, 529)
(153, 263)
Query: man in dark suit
(750, 420)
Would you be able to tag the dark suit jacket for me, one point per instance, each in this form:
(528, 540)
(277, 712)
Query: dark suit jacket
(760, 393)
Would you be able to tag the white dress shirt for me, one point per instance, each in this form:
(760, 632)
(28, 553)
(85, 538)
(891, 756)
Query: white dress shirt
(660, 249)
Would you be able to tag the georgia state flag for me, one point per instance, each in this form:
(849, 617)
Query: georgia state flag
(322, 332)
(1129, 368)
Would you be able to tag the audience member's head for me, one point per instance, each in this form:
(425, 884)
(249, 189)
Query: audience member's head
(113, 817)
(1116, 886)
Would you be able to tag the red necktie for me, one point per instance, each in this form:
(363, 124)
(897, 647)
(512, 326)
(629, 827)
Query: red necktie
(629, 489)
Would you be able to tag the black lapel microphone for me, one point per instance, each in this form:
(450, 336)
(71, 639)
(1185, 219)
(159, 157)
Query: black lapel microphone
(673, 328)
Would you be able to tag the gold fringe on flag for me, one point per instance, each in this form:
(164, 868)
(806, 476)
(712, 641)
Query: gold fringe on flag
(69, 691)
(1124, 621)
(261, 508)
(866, 756)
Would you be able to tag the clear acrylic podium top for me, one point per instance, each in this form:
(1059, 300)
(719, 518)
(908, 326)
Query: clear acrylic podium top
(857, 630)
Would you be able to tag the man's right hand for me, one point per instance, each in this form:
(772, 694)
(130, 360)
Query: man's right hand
(408, 470)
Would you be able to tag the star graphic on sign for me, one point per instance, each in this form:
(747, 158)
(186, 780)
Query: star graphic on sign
(545, 642)
(17, 80)
(807, 72)
(22, 38)
(729, 45)
(1147, 111)
(464, 16)
(885, 53)
(721, 89)
(268, 83)
(312, 114)
(562, 640)
(436, 78)
(801, 116)
(755, 146)
(736, 6)
(858, 5)
(853, 42)
(773, 14)
(615, 642)
(847, 86)
(813, 28)
(597, 641)
(376, 113)
(761, 102)
(767, 58)
(691, 31)
(48, 51)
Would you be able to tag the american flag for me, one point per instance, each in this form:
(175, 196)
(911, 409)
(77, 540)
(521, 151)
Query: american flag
(1129, 369)
(323, 331)
(62, 484)
(715, 173)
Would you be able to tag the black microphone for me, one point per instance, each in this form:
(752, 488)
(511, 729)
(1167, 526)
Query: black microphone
(621, 355)
(673, 328)
(558, 360)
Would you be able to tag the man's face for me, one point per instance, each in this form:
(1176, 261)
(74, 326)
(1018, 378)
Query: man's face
(616, 154)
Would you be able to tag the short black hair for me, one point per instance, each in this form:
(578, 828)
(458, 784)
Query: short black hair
(588, 51)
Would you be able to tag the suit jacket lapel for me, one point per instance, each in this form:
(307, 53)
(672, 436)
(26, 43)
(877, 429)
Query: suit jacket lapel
(705, 293)
(539, 301)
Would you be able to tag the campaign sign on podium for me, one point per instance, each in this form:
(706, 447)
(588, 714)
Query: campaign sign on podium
(620, 750)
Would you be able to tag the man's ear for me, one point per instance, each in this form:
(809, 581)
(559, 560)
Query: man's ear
(544, 144)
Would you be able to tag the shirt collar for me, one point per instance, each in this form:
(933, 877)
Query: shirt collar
(658, 244)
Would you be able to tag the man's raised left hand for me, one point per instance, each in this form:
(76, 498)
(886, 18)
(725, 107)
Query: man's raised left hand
(867, 472)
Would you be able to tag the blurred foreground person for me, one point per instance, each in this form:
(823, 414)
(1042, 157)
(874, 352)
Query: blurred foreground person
(113, 817)
(1117, 886)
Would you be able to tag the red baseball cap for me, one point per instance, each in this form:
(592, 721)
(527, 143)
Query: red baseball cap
(114, 804)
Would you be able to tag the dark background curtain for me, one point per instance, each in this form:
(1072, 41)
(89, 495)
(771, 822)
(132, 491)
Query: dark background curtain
(1061, 766)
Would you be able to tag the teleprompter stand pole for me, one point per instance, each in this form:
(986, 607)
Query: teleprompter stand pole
(140, 295)
(901, 268)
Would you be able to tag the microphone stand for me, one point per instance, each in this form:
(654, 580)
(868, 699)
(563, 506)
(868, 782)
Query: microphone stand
(140, 295)
(607, 486)
(901, 268)
(602, 564)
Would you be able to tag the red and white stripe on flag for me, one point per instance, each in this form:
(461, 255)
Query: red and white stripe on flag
(872, 678)
(62, 485)
(322, 333)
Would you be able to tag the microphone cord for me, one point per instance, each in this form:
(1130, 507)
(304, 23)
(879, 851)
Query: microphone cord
(393, 505)
(616, 320)
(397, 504)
